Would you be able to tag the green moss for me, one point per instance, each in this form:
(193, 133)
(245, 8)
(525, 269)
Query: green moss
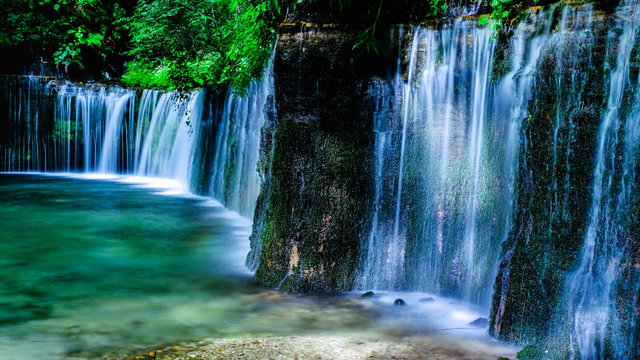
(554, 189)
(319, 171)
(502, 56)
(313, 207)
(530, 352)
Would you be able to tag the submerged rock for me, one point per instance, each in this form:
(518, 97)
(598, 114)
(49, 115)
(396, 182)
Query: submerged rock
(368, 294)
(427, 300)
(19, 308)
(399, 302)
(480, 322)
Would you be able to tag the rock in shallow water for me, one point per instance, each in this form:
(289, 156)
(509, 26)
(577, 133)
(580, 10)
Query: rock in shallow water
(480, 322)
(368, 294)
(399, 302)
(427, 300)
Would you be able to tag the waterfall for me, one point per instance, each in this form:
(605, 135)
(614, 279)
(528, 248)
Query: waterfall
(235, 178)
(443, 169)
(22, 148)
(448, 132)
(67, 127)
(90, 131)
(591, 290)
(169, 137)
(116, 132)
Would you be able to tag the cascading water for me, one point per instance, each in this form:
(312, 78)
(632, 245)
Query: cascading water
(235, 178)
(443, 167)
(593, 290)
(108, 130)
(91, 129)
(568, 277)
(22, 148)
(167, 143)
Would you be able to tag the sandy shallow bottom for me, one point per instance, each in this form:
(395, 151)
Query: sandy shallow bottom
(332, 347)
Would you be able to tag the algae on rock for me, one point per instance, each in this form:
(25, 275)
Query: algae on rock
(310, 213)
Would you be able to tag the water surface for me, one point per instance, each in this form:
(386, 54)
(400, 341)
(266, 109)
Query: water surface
(91, 267)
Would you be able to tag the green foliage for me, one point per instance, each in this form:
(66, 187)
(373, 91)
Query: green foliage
(367, 39)
(192, 43)
(182, 44)
(503, 10)
(145, 75)
(71, 31)
(530, 352)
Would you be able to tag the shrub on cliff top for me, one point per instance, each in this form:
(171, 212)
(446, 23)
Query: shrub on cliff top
(196, 43)
(77, 35)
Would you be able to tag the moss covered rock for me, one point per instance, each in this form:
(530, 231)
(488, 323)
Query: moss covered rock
(318, 166)
(554, 186)
(530, 352)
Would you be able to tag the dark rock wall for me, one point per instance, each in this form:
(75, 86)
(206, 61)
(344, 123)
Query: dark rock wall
(317, 162)
(536, 293)
(554, 193)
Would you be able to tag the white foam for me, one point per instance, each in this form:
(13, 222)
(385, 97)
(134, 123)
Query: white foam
(92, 176)
(173, 192)
(172, 187)
(211, 203)
(152, 182)
(442, 314)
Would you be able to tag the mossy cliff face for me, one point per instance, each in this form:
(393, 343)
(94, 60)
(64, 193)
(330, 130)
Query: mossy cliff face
(316, 162)
(623, 328)
(538, 288)
(554, 185)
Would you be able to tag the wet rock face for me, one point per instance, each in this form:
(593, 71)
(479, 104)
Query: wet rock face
(320, 81)
(553, 189)
(319, 166)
